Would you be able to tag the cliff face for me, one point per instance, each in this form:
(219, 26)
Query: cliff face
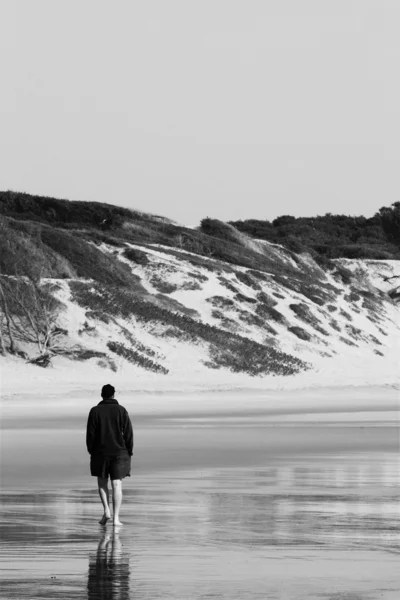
(128, 303)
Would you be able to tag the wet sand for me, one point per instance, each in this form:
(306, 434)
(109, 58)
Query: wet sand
(229, 505)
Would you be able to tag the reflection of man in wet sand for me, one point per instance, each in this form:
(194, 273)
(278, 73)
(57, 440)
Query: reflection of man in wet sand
(109, 440)
(108, 575)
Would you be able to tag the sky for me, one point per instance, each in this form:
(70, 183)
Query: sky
(229, 109)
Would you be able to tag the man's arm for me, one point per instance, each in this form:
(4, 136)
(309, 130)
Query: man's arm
(128, 433)
(90, 431)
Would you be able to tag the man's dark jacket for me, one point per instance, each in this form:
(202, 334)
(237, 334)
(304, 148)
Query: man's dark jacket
(109, 429)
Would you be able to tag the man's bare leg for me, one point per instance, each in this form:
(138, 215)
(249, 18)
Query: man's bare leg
(105, 498)
(117, 499)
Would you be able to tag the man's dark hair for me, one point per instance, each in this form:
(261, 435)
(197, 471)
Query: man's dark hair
(107, 391)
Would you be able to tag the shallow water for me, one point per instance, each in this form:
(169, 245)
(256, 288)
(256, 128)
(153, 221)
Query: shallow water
(317, 525)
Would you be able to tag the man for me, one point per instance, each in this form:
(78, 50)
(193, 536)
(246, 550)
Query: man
(109, 440)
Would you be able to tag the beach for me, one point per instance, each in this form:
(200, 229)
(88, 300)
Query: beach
(232, 494)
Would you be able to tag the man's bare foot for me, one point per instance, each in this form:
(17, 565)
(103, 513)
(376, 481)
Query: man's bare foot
(106, 517)
(117, 523)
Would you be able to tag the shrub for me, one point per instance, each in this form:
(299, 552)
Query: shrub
(342, 274)
(300, 333)
(100, 316)
(251, 319)
(303, 312)
(346, 315)
(161, 285)
(347, 341)
(259, 275)
(229, 286)
(271, 313)
(136, 256)
(264, 298)
(135, 358)
(83, 354)
(375, 340)
(331, 307)
(243, 298)
(248, 280)
(335, 325)
(191, 286)
(219, 229)
(221, 302)
(378, 352)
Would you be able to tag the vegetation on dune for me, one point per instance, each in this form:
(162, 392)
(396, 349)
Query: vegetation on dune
(303, 312)
(269, 312)
(88, 261)
(44, 237)
(333, 236)
(42, 251)
(136, 358)
(226, 349)
(136, 256)
(29, 314)
(300, 333)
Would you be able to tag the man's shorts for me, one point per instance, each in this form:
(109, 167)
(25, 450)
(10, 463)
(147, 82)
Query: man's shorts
(117, 467)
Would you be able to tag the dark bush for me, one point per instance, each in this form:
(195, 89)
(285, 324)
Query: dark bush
(136, 256)
(303, 312)
(269, 312)
(346, 315)
(331, 307)
(347, 341)
(266, 299)
(342, 274)
(135, 358)
(300, 333)
(248, 280)
(162, 286)
(221, 302)
(335, 325)
(243, 298)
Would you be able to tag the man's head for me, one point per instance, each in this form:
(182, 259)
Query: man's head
(107, 391)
